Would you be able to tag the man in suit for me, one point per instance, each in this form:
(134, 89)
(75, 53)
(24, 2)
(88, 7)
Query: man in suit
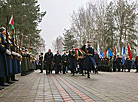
(97, 59)
(48, 60)
(57, 62)
(64, 61)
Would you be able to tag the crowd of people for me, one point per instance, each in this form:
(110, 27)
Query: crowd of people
(14, 60)
(84, 62)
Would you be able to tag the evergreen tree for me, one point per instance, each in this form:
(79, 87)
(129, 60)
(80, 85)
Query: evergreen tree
(69, 40)
(27, 16)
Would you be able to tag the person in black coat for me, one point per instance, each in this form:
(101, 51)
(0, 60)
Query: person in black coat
(48, 60)
(114, 64)
(73, 61)
(3, 59)
(97, 59)
(41, 62)
(119, 63)
(128, 65)
(57, 63)
(136, 63)
(64, 62)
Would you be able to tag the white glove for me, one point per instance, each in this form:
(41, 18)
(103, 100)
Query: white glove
(14, 53)
(8, 52)
(19, 55)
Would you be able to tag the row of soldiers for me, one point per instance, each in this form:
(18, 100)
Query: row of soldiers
(10, 60)
(116, 64)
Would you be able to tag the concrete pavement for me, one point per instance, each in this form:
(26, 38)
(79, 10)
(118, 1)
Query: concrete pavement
(103, 87)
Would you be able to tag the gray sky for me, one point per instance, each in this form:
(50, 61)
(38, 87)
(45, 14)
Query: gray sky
(57, 17)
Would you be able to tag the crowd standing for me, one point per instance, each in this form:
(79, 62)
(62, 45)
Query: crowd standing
(88, 61)
(15, 60)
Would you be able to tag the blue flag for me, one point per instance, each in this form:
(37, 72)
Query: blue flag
(123, 55)
(110, 53)
(102, 55)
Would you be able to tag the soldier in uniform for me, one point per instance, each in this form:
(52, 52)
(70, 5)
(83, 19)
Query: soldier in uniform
(64, 61)
(73, 61)
(48, 60)
(89, 58)
(28, 61)
(3, 61)
(119, 63)
(14, 62)
(57, 62)
(128, 65)
(41, 62)
(23, 62)
(136, 63)
(114, 64)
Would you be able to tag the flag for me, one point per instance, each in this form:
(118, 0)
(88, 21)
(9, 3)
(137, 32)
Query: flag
(98, 49)
(129, 52)
(80, 51)
(77, 54)
(11, 22)
(110, 53)
(123, 55)
(115, 51)
(105, 53)
(102, 55)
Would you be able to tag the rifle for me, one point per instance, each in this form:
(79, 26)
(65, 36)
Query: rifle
(7, 36)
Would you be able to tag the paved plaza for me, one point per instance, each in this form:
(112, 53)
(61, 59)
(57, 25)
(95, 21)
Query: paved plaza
(103, 87)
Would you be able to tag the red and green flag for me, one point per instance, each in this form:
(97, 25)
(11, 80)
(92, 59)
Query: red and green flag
(105, 54)
(11, 22)
(129, 52)
(77, 54)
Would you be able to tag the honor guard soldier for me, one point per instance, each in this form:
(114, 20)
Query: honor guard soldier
(64, 62)
(3, 61)
(14, 61)
(24, 66)
(57, 63)
(136, 63)
(73, 61)
(48, 60)
(28, 60)
(89, 58)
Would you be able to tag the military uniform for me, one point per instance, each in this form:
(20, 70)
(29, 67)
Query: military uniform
(73, 61)
(4, 71)
(119, 63)
(114, 64)
(24, 69)
(136, 63)
(90, 63)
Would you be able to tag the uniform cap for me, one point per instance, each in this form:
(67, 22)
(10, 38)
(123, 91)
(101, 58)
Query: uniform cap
(89, 42)
(2, 29)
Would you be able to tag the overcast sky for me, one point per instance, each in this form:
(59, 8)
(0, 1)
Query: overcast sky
(57, 17)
